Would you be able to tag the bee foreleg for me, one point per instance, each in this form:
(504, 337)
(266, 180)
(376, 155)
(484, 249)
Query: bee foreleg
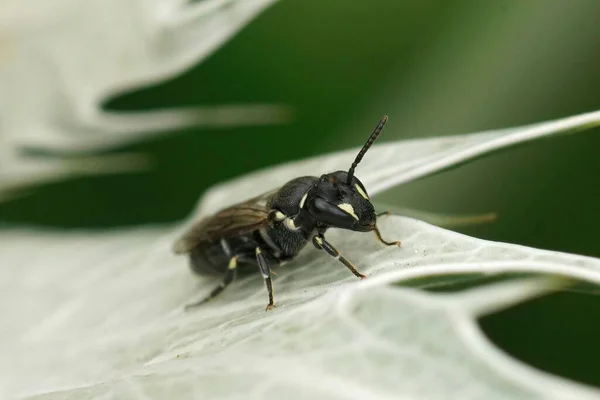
(322, 244)
(265, 271)
(378, 234)
(229, 277)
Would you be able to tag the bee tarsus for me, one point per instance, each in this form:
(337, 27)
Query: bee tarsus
(382, 240)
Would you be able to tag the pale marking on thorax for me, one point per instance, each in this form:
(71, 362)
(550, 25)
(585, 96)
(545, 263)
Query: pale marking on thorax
(289, 224)
(303, 200)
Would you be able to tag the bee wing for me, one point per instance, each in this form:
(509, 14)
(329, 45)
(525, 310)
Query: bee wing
(232, 221)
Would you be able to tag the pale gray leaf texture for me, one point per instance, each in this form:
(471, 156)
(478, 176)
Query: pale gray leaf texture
(99, 315)
(391, 164)
(51, 94)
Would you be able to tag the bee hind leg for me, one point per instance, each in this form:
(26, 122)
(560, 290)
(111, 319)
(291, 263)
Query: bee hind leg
(229, 277)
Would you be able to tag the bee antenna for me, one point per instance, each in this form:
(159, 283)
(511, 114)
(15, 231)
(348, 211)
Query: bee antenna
(366, 146)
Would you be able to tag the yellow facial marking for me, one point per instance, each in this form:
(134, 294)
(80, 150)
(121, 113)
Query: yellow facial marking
(349, 209)
(233, 262)
(258, 251)
(360, 191)
(319, 240)
(279, 216)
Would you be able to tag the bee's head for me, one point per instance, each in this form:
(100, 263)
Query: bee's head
(336, 203)
(340, 200)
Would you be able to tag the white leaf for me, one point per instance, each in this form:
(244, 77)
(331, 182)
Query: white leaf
(391, 164)
(96, 315)
(61, 61)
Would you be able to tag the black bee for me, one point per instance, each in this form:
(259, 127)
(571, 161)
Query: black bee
(272, 228)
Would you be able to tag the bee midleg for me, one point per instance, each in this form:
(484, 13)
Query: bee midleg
(322, 244)
(229, 277)
(265, 271)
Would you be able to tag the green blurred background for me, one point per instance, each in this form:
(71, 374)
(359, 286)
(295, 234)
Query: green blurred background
(436, 68)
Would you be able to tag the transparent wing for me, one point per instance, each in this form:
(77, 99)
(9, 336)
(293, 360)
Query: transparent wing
(232, 221)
